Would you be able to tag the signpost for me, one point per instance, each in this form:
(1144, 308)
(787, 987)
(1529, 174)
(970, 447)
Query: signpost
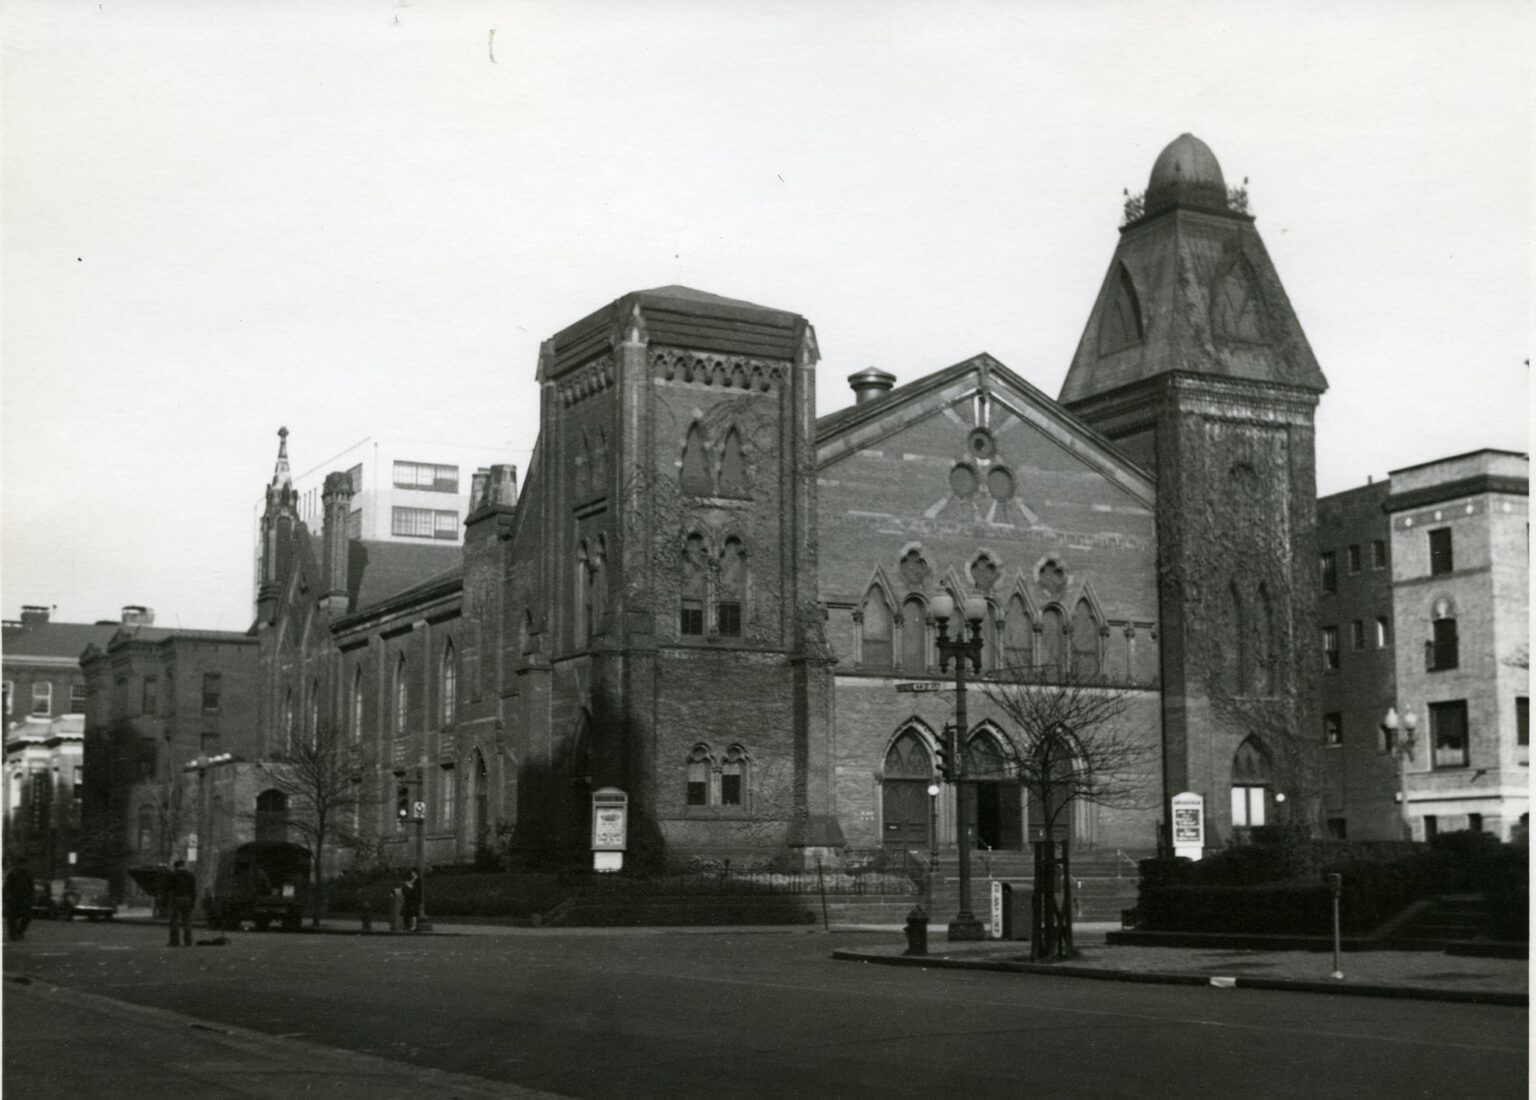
(1188, 825)
(610, 828)
(923, 686)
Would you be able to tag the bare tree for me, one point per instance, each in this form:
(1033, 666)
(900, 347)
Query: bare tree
(322, 782)
(1070, 739)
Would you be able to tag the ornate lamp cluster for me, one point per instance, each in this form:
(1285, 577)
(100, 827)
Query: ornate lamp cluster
(966, 654)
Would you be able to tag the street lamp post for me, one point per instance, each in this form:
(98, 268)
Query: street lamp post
(965, 652)
(1400, 731)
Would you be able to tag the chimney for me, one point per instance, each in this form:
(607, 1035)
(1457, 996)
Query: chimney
(336, 496)
(34, 613)
(502, 490)
(138, 615)
(870, 383)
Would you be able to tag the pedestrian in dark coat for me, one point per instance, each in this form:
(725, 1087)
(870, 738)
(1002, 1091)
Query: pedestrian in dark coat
(181, 890)
(410, 901)
(17, 900)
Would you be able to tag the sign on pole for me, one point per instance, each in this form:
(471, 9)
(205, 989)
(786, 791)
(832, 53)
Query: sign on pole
(610, 828)
(1188, 825)
(419, 811)
(923, 686)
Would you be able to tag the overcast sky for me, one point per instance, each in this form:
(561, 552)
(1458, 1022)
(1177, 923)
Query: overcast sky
(360, 218)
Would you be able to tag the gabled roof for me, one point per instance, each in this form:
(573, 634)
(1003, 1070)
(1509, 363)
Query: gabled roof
(378, 571)
(863, 425)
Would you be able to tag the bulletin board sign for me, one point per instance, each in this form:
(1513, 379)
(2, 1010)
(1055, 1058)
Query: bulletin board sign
(1188, 825)
(610, 820)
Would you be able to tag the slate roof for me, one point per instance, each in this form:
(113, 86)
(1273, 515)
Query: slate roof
(64, 641)
(378, 571)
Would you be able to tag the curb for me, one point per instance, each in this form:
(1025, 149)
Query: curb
(1293, 985)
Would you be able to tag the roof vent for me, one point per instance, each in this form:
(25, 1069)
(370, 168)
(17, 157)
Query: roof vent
(870, 383)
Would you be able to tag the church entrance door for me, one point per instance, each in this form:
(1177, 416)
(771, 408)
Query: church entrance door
(997, 811)
(905, 804)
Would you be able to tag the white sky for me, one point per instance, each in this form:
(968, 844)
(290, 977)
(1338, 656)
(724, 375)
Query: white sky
(344, 217)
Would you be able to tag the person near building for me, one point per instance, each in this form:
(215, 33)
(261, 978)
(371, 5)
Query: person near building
(181, 891)
(410, 908)
(18, 900)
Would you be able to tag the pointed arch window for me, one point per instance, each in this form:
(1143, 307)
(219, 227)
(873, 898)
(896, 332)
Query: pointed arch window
(598, 585)
(583, 464)
(984, 757)
(700, 765)
(1120, 327)
(1250, 784)
(695, 474)
(357, 705)
(583, 594)
(1085, 642)
(449, 682)
(600, 462)
(1017, 629)
(908, 757)
(733, 466)
(695, 566)
(272, 815)
(402, 697)
(1235, 312)
(288, 720)
(479, 800)
(914, 635)
(875, 632)
(1235, 657)
(1264, 643)
(312, 724)
(1053, 631)
(731, 590)
(733, 777)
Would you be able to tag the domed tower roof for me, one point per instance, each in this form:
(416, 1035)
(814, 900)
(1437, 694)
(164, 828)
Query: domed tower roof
(1187, 159)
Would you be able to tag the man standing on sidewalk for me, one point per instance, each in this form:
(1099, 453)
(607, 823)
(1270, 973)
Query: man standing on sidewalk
(17, 900)
(182, 891)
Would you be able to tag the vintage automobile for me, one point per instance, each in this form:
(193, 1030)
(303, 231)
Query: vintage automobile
(78, 895)
(265, 882)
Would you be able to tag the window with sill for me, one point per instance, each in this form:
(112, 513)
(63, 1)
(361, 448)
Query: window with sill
(730, 588)
(42, 698)
(1333, 729)
(1329, 563)
(1448, 734)
(1331, 648)
(695, 570)
(1352, 557)
(1441, 558)
(1444, 649)
(700, 764)
(875, 632)
(1379, 554)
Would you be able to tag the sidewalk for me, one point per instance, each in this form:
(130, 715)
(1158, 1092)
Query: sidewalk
(1424, 975)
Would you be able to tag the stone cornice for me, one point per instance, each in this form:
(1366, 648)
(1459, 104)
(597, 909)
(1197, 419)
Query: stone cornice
(1475, 485)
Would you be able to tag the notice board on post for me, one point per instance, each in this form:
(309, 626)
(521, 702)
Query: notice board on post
(610, 828)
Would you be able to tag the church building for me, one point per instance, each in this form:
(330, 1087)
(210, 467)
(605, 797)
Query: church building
(705, 595)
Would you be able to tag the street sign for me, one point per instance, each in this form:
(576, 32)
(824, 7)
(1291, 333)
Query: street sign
(923, 686)
(419, 811)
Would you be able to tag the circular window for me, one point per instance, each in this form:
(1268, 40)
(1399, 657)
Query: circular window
(1000, 483)
(981, 444)
(962, 479)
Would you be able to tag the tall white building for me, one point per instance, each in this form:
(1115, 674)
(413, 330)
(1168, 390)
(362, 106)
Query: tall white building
(404, 490)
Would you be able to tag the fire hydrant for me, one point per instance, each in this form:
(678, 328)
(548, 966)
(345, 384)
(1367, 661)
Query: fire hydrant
(917, 932)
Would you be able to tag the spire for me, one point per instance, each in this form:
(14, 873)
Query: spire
(282, 476)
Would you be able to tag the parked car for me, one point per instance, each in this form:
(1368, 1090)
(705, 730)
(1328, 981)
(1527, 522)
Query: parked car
(76, 896)
(264, 882)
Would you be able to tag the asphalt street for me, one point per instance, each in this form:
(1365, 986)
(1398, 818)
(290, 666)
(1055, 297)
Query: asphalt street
(638, 1013)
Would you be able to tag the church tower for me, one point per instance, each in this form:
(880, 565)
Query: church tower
(1194, 363)
(278, 521)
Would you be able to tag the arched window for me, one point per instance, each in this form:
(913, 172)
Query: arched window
(731, 590)
(1120, 326)
(695, 474)
(1264, 643)
(733, 777)
(357, 704)
(699, 767)
(1444, 649)
(480, 801)
(450, 683)
(1085, 642)
(288, 720)
(914, 635)
(146, 837)
(598, 584)
(312, 726)
(1053, 631)
(695, 568)
(583, 464)
(600, 463)
(876, 631)
(402, 697)
(733, 466)
(984, 757)
(1017, 629)
(271, 815)
(908, 757)
(583, 595)
(447, 795)
(1250, 784)
(1235, 655)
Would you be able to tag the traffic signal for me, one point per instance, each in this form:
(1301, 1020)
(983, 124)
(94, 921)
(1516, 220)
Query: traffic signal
(403, 802)
(946, 748)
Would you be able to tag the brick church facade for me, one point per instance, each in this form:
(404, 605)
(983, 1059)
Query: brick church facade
(705, 595)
